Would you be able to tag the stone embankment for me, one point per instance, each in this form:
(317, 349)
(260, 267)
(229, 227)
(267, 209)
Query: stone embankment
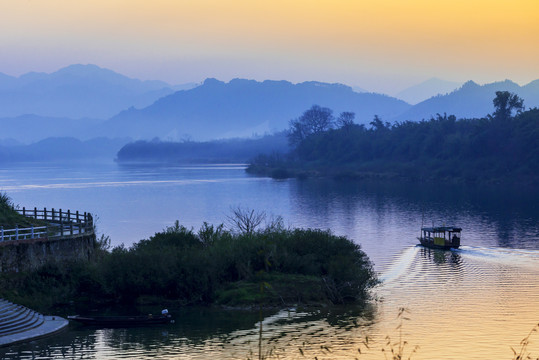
(66, 235)
(18, 324)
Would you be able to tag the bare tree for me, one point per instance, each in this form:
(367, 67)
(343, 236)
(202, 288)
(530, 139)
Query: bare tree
(245, 221)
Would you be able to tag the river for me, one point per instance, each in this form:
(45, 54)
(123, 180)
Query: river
(471, 303)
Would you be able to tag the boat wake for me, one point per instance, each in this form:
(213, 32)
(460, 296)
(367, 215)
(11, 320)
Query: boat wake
(503, 256)
(400, 266)
(408, 266)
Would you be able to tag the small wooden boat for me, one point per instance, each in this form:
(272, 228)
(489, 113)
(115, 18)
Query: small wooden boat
(122, 321)
(440, 237)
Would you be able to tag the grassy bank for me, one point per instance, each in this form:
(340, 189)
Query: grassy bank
(273, 266)
(9, 217)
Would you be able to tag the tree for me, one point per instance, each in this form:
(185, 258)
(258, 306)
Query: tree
(505, 102)
(346, 119)
(245, 221)
(315, 120)
(378, 125)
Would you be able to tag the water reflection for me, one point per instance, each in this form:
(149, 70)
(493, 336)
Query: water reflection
(440, 257)
(484, 297)
(489, 215)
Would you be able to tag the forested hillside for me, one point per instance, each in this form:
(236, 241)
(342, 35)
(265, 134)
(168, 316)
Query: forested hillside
(496, 148)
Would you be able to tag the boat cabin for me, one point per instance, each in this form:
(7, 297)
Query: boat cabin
(440, 237)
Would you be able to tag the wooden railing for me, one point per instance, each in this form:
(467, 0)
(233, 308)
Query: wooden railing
(59, 224)
(23, 233)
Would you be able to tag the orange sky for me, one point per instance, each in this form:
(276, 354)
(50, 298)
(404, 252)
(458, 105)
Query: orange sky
(384, 44)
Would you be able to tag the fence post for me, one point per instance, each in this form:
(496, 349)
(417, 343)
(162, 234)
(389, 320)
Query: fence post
(44, 213)
(78, 220)
(23, 211)
(35, 213)
(61, 227)
(71, 228)
(16, 232)
(68, 215)
(52, 215)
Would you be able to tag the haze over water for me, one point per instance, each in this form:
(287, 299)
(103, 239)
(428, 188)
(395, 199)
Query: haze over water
(472, 303)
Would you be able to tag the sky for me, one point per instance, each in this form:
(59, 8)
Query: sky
(378, 45)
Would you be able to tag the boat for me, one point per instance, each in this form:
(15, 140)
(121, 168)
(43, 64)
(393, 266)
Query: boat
(440, 237)
(123, 321)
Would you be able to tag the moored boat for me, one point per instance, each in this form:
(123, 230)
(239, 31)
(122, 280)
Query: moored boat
(440, 237)
(122, 321)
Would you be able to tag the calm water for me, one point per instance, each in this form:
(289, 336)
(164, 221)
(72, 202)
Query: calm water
(472, 303)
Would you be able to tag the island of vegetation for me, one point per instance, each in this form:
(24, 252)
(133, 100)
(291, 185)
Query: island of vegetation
(248, 265)
(224, 151)
(499, 148)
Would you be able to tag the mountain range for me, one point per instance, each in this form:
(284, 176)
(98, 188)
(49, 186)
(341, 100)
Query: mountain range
(242, 107)
(427, 89)
(86, 101)
(471, 100)
(77, 91)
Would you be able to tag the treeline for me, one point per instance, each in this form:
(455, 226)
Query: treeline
(217, 151)
(498, 147)
(271, 266)
(62, 149)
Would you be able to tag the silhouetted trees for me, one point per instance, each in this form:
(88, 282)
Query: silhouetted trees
(225, 151)
(345, 119)
(497, 147)
(313, 121)
(505, 102)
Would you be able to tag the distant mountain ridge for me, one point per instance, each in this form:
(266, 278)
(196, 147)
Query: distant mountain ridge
(217, 109)
(28, 129)
(427, 89)
(471, 100)
(76, 91)
(86, 101)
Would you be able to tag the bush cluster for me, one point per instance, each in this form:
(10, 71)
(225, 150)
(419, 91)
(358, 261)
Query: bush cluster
(205, 266)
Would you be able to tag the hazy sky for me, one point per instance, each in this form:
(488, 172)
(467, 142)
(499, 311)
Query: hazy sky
(380, 45)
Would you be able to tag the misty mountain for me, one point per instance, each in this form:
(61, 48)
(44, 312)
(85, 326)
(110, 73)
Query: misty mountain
(77, 91)
(63, 149)
(359, 89)
(32, 128)
(241, 107)
(427, 89)
(471, 100)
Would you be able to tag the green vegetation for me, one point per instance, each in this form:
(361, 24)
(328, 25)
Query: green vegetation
(9, 217)
(498, 148)
(273, 265)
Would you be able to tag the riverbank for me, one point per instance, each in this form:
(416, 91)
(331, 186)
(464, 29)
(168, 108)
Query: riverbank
(392, 172)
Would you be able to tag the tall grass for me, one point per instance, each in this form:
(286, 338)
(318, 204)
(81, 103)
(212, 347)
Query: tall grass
(522, 352)
(10, 218)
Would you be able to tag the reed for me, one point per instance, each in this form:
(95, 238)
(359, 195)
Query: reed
(523, 350)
